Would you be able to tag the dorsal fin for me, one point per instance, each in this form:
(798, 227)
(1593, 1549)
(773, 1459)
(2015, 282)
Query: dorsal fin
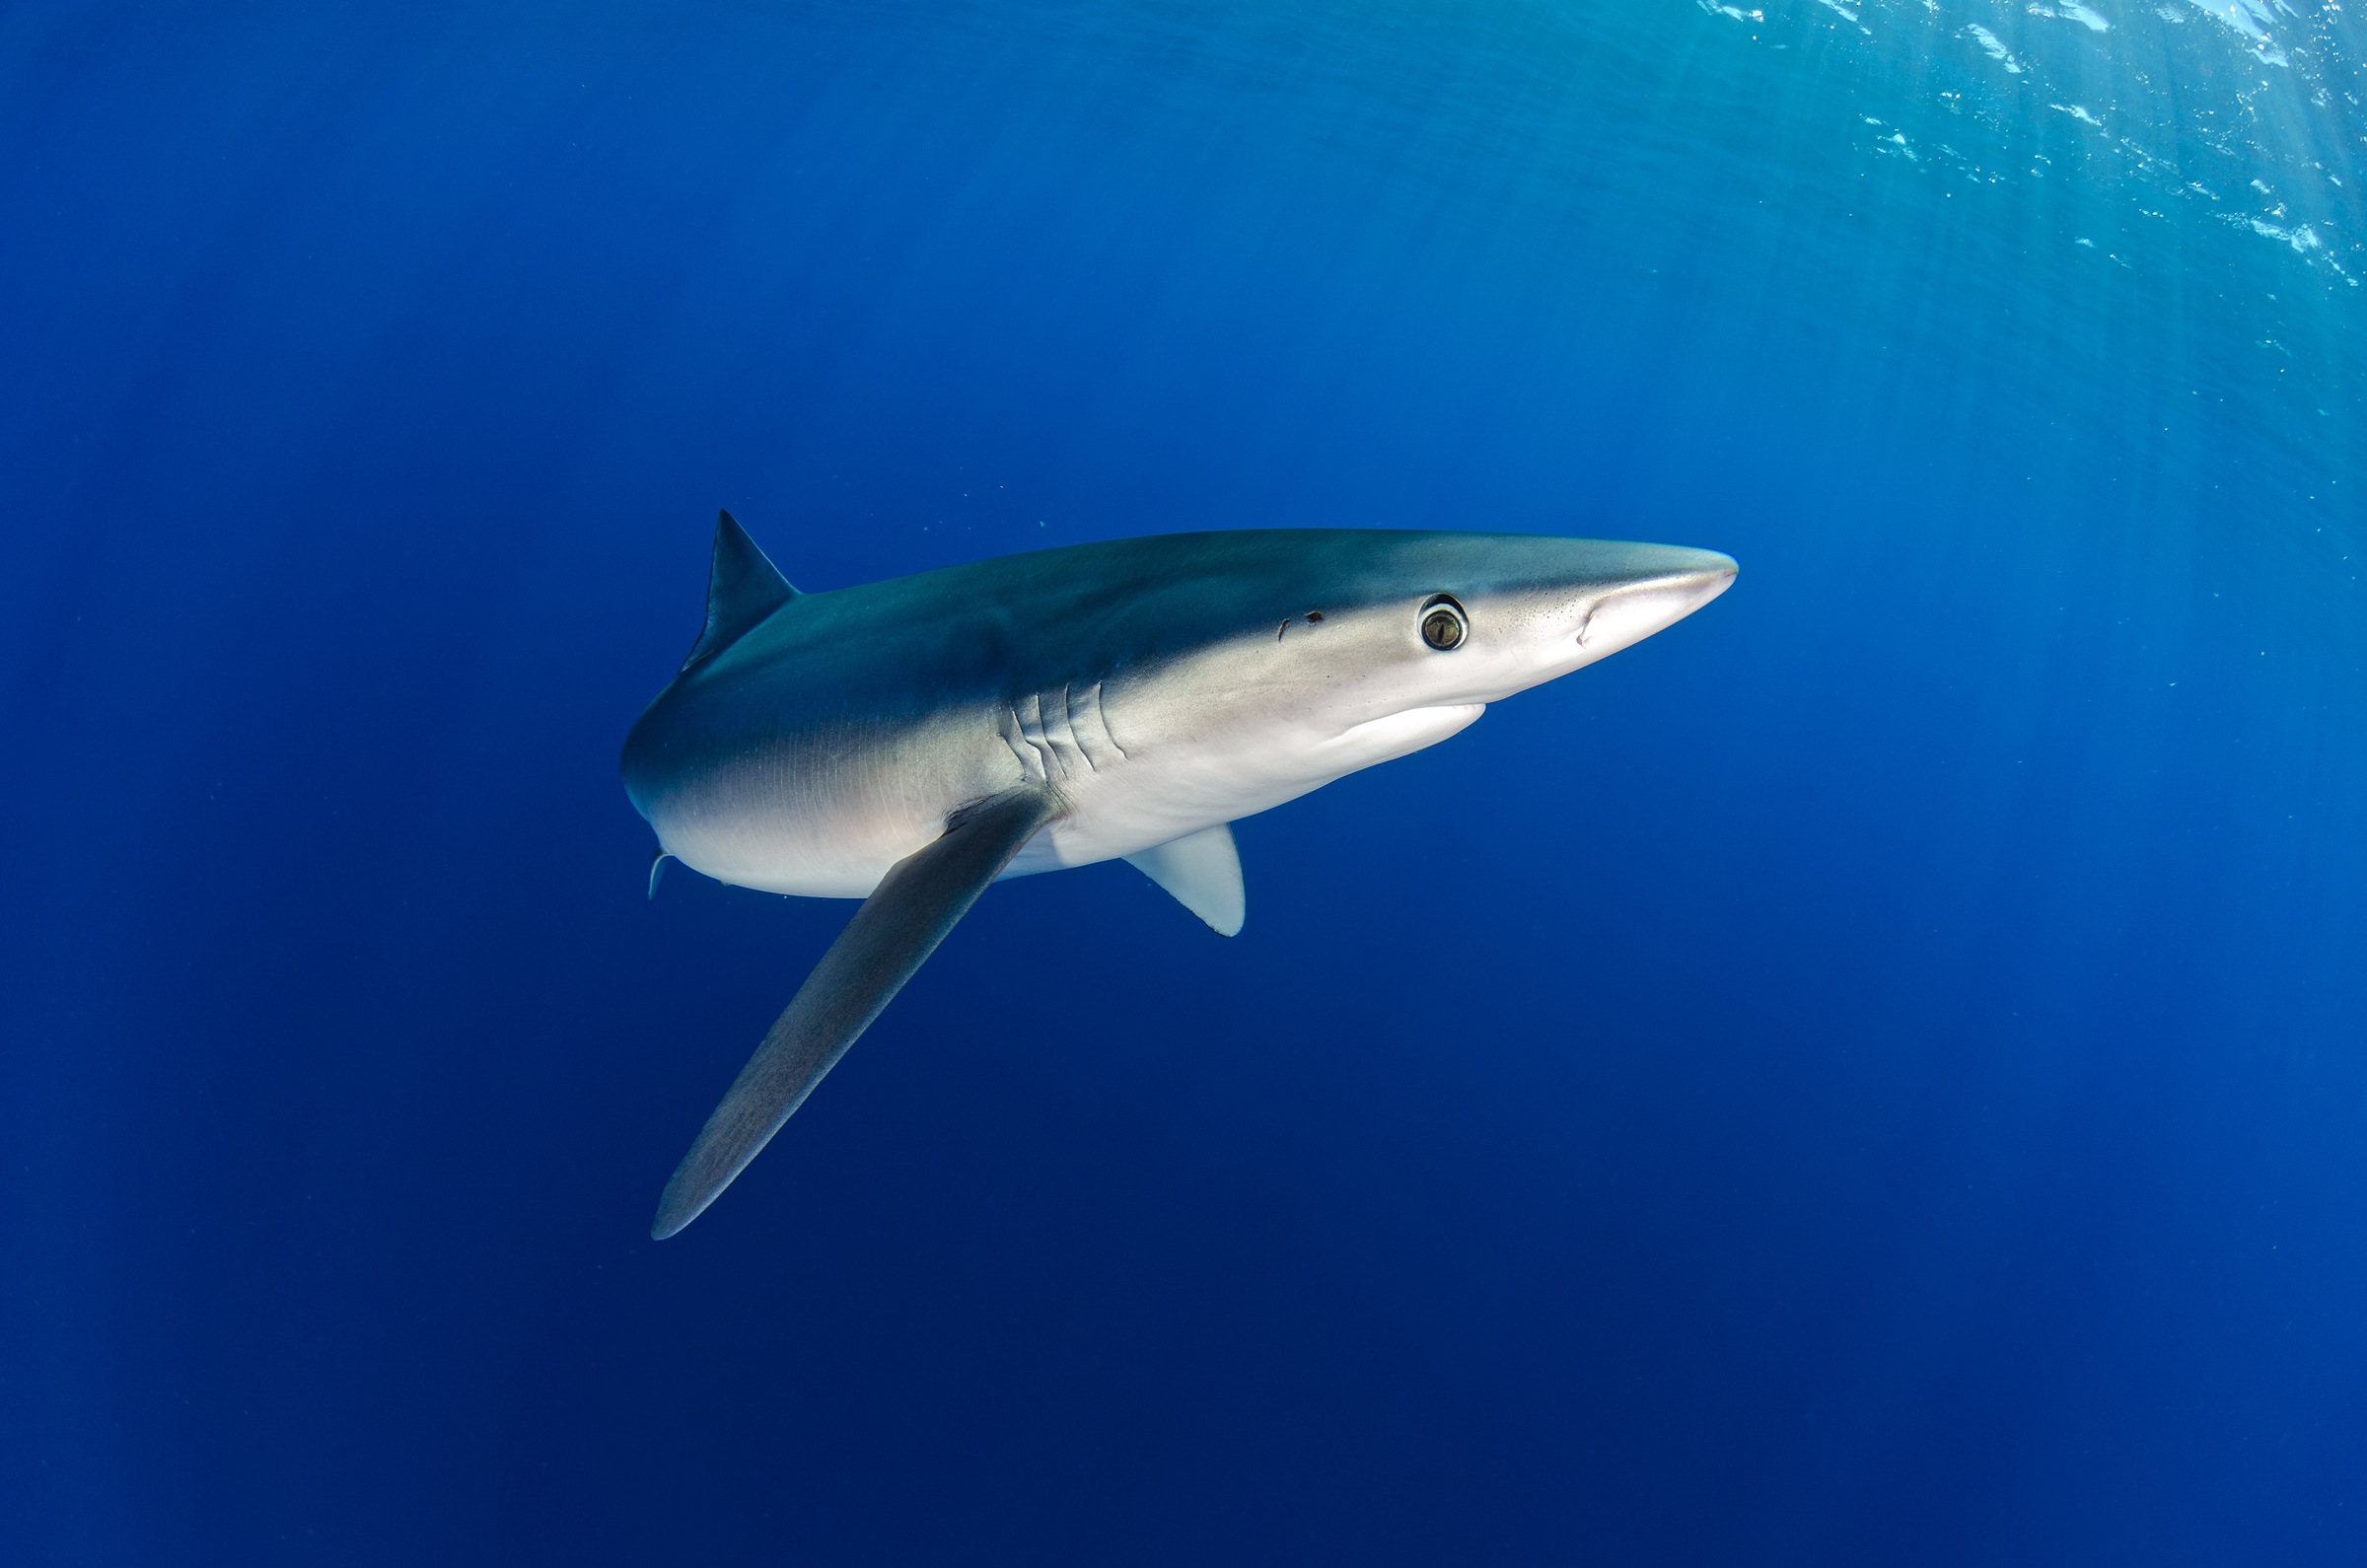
(742, 587)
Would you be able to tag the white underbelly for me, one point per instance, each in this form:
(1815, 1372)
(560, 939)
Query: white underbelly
(827, 819)
(834, 833)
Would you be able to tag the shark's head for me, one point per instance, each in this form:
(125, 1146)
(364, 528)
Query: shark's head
(1316, 653)
(1434, 620)
(1513, 612)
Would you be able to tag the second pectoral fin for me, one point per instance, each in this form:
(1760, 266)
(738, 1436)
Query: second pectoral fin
(921, 899)
(1204, 871)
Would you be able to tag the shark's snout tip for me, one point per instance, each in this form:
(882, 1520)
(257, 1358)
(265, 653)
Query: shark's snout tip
(1711, 564)
(1704, 574)
(1693, 577)
(1664, 568)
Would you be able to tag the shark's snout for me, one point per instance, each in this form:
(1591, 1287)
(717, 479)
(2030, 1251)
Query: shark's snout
(1668, 588)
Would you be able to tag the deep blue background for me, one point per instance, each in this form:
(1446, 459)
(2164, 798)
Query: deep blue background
(1885, 1083)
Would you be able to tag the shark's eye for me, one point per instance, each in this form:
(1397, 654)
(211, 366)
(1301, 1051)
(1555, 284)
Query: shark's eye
(1443, 625)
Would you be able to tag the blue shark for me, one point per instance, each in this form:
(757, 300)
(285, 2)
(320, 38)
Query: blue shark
(909, 741)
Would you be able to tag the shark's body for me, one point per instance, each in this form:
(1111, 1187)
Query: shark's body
(907, 741)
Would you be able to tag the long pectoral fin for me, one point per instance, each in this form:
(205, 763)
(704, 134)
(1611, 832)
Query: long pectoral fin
(1204, 871)
(899, 925)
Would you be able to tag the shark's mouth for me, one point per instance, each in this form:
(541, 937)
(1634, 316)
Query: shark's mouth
(1398, 735)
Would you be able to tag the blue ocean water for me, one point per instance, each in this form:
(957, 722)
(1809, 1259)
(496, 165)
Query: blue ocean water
(1873, 1075)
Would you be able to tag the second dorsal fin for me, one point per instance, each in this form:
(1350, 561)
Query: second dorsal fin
(742, 587)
